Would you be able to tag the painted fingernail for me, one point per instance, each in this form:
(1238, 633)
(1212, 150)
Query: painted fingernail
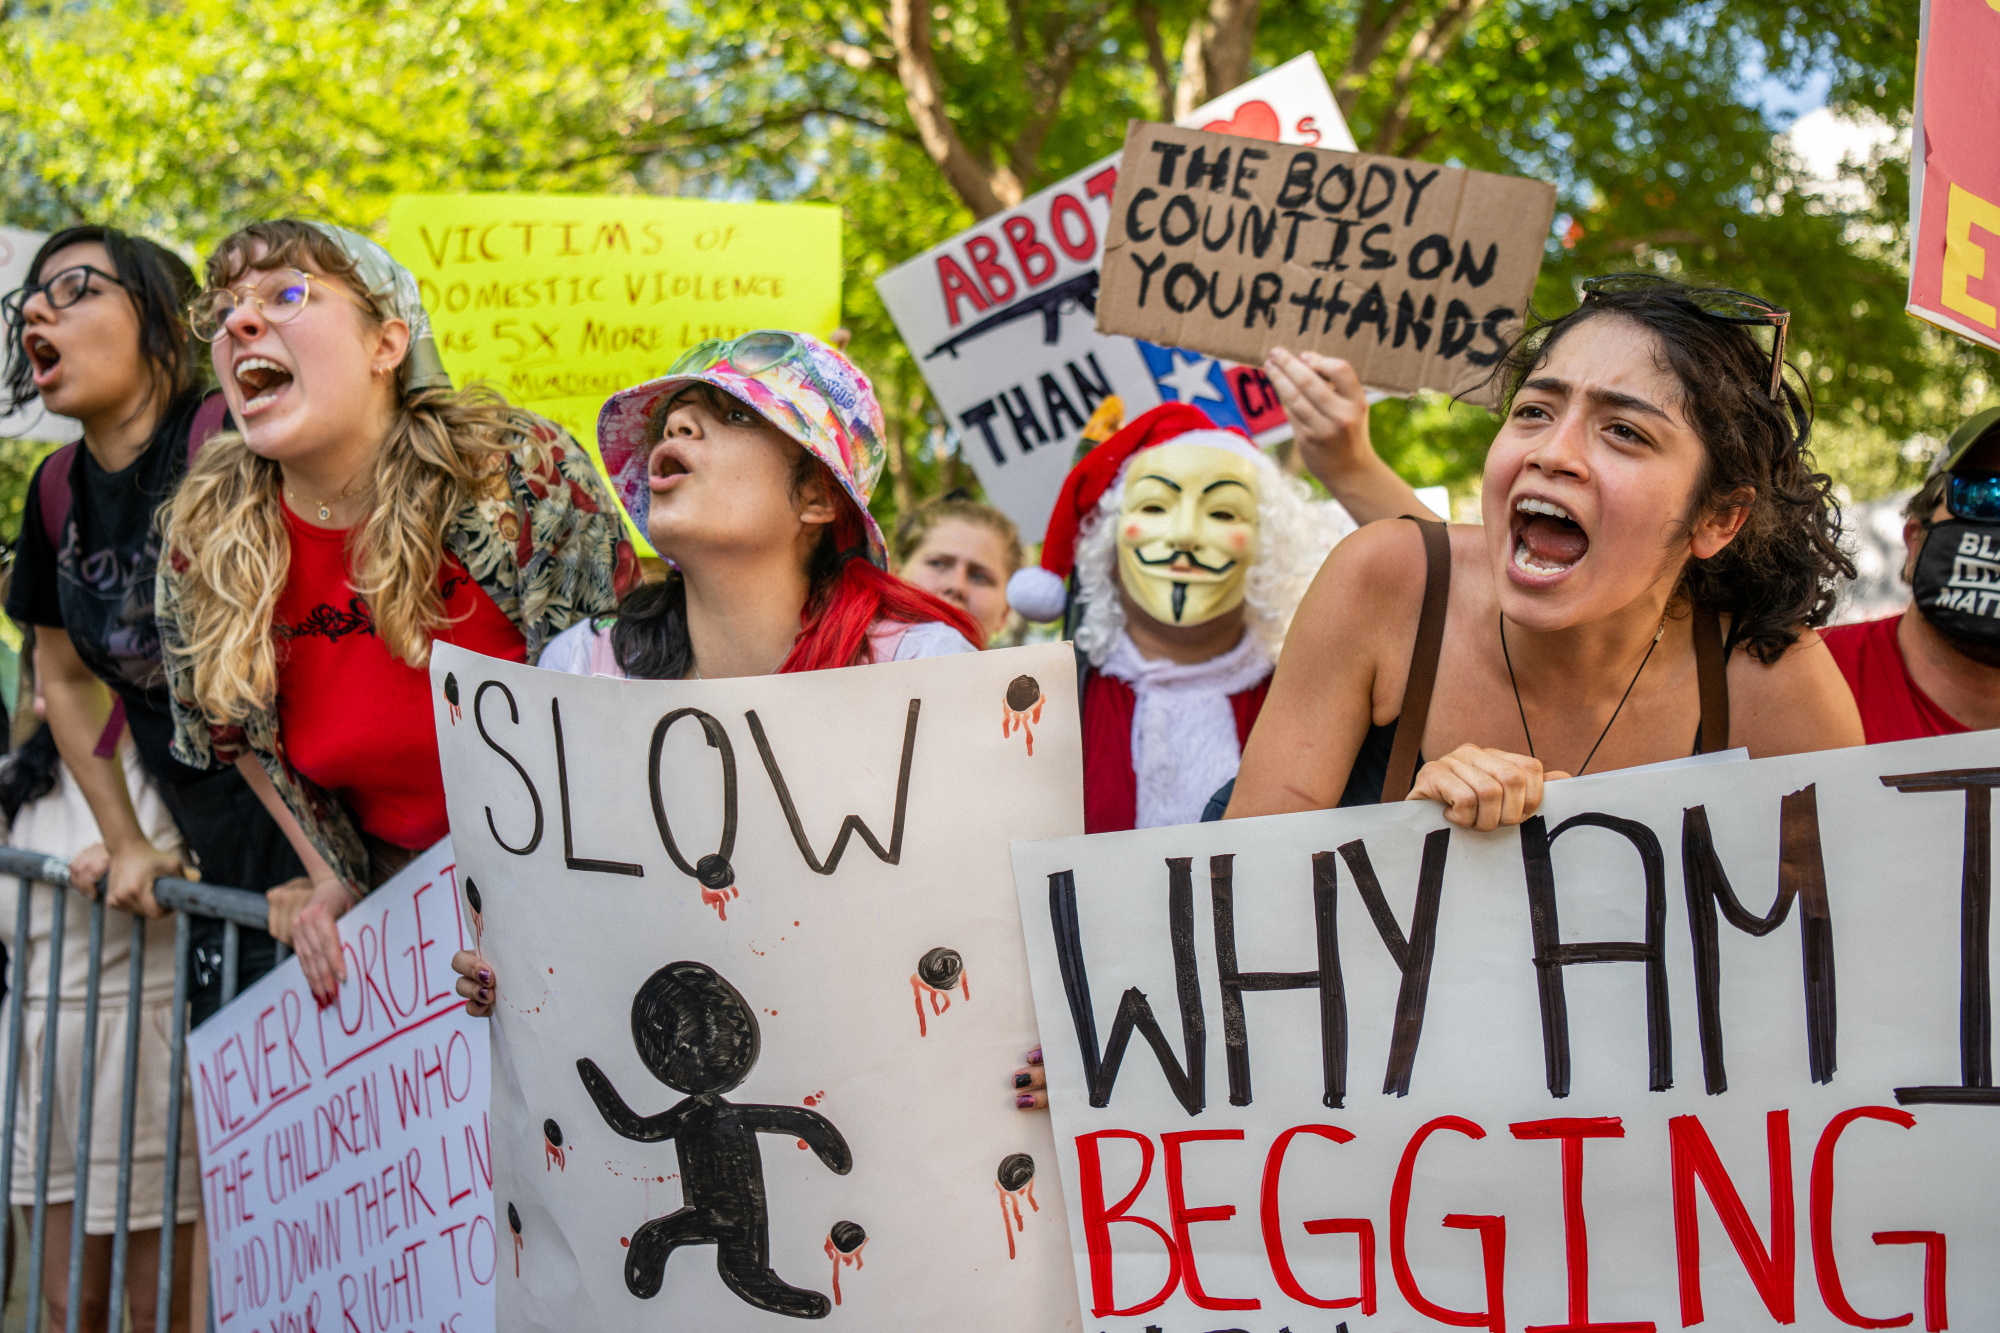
(1035, 1056)
(1025, 1101)
(485, 995)
(1024, 1080)
(485, 977)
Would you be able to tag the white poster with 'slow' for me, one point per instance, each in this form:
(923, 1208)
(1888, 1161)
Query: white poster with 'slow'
(761, 989)
(346, 1179)
(1698, 1045)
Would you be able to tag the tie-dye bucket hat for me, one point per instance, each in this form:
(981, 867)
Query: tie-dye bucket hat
(805, 388)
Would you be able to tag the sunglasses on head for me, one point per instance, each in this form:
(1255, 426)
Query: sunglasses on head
(1723, 303)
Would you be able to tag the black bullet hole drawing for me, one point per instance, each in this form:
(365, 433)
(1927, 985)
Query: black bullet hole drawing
(552, 1151)
(1015, 1180)
(937, 972)
(698, 1036)
(514, 1221)
(1023, 705)
(478, 922)
(844, 1245)
(451, 696)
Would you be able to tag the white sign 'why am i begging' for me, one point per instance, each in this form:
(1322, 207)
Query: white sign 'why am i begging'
(761, 986)
(1708, 1045)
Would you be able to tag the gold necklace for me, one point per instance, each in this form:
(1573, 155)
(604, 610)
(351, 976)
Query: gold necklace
(325, 507)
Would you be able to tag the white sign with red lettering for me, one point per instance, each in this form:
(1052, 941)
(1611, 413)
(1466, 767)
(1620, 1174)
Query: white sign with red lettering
(1701, 1044)
(346, 1179)
(1001, 317)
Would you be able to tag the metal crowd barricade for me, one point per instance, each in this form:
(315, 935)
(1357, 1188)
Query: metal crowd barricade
(235, 908)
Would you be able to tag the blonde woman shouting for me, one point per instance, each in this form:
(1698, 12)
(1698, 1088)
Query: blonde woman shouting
(364, 510)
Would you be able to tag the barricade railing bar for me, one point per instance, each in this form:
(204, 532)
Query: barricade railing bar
(188, 899)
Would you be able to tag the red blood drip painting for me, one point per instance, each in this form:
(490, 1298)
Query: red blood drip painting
(1015, 1181)
(718, 883)
(514, 1221)
(1022, 705)
(937, 972)
(552, 1150)
(478, 907)
(451, 697)
(844, 1245)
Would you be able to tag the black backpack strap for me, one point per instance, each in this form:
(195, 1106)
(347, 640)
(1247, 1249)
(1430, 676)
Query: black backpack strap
(209, 420)
(1424, 656)
(1711, 667)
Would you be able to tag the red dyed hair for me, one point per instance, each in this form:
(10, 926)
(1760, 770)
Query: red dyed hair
(833, 627)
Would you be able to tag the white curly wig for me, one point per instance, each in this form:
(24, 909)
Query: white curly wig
(1294, 534)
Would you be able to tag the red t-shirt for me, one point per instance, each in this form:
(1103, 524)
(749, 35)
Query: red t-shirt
(356, 719)
(1892, 707)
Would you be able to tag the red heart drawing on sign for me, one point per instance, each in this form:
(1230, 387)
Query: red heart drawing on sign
(1253, 120)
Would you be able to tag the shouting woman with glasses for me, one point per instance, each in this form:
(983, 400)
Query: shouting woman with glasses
(363, 510)
(749, 466)
(1656, 549)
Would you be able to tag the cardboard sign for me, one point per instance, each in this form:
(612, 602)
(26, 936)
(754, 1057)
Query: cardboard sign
(762, 987)
(346, 1179)
(17, 252)
(1417, 274)
(999, 317)
(1954, 174)
(1686, 1046)
(560, 301)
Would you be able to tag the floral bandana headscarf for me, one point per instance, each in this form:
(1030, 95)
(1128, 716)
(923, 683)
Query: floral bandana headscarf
(805, 388)
(394, 290)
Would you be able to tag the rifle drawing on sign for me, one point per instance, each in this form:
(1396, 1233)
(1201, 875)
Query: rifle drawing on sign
(699, 1036)
(1080, 293)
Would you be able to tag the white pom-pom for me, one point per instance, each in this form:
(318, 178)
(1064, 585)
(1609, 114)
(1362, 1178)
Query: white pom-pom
(1037, 594)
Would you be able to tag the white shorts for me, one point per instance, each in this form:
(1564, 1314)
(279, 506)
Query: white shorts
(149, 1120)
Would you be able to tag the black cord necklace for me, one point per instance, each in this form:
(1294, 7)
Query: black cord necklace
(1657, 636)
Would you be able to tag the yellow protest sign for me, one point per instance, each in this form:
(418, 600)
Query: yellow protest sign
(559, 301)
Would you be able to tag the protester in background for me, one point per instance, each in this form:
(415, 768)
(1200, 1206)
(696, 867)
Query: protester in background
(364, 510)
(1585, 619)
(47, 812)
(964, 552)
(749, 466)
(1934, 669)
(97, 333)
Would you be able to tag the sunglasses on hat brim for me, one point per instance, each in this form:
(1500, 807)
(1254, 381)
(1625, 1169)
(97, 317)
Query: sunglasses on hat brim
(1723, 303)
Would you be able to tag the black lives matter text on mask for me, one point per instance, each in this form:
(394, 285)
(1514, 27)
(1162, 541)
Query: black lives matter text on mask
(1416, 273)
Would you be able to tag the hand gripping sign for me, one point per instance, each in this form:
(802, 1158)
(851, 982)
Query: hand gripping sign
(1001, 317)
(1418, 274)
(1707, 1045)
(760, 983)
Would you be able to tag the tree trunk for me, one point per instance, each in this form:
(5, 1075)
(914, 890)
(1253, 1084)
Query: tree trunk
(985, 190)
(1217, 55)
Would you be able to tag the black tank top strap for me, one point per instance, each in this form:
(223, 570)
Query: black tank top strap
(1404, 752)
(1711, 665)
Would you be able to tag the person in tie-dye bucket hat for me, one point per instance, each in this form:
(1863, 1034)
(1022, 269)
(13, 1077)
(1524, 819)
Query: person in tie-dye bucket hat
(749, 466)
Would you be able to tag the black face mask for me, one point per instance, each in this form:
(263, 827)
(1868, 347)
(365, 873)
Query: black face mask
(1957, 582)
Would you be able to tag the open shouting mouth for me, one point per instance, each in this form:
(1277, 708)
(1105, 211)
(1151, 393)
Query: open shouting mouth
(43, 357)
(261, 381)
(1548, 542)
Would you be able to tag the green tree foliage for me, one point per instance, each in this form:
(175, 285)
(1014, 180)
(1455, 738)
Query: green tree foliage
(185, 120)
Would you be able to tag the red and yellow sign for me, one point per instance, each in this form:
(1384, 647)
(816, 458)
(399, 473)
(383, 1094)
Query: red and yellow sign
(1955, 171)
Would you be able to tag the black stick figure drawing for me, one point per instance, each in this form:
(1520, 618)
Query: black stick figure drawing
(1015, 1180)
(698, 1036)
(451, 696)
(1023, 705)
(552, 1151)
(937, 972)
(844, 1245)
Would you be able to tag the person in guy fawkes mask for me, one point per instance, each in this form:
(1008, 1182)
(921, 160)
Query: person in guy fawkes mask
(1934, 670)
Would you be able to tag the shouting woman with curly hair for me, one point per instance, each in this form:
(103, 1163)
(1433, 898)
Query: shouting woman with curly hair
(1656, 550)
(364, 510)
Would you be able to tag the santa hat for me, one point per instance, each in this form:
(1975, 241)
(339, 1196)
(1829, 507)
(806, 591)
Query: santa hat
(1039, 592)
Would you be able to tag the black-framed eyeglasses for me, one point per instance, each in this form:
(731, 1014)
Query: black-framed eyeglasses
(1973, 495)
(62, 290)
(1723, 303)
